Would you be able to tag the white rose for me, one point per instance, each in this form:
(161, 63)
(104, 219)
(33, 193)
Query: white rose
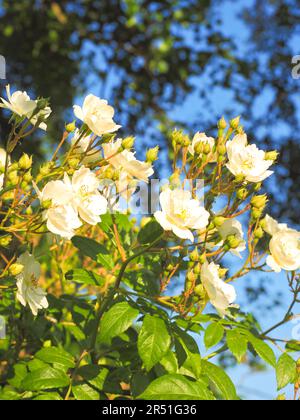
(97, 115)
(180, 213)
(221, 295)
(87, 199)
(284, 246)
(27, 284)
(233, 227)
(202, 138)
(131, 169)
(20, 103)
(83, 146)
(247, 160)
(62, 216)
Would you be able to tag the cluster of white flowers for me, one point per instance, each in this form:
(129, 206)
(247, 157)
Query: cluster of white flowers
(67, 200)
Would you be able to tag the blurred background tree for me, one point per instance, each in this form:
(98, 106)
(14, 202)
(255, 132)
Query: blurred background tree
(150, 58)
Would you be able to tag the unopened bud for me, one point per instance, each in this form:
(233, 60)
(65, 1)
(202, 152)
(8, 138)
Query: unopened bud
(207, 149)
(223, 272)
(46, 169)
(239, 179)
(200, 291)
(222, 124)
(5, 240)
(13, 177)
(70, 127)
(175, 179)
(25, 162)
(145, 221)
(259, 233)
(221, 149)
(128, 143)
(235, 123)
(273, 155)
(219, 221)
(152, 154)
(259, 201)
(15, 269)
(242, 194)
(194, 255)
(73, 163)
(199, 148)
(256, 213)
(46, 204)
(233, 242)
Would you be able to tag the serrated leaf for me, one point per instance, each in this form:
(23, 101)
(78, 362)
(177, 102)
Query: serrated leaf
(237, 344)
(94, 250)
(213, 335)
(263, 350)
(45, 378)
(153, 341)
(285, 371)
(220, 380)
(176, 387)
(117, 320)
(84, 392)
(150, 233)
(57, 356)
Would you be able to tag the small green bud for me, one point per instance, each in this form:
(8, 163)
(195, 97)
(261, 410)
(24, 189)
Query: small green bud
(15, 269)
(221, 159)
(273, 155)
(170, 268)
(25, 162)
(233, 242)
(70, 127)
(242, 194)
(194, 255)
(13, 167)
(29, 211)
(200, 291)
(222, 124)
(73, 163)
(5, 240)
(223, 272)
(256, 213)
(263, 224)
(199, 148)
(152, 154)
(281, 397)
(13, 177)
(239, 179)
(27, 177)
(128, 143)
(259, 201)
(202, 259)
(197, 269)
(207, 149)
(219, 221)
(234, 123)
(175, 179)
(221, 149)
(259, 233)
(46, 169)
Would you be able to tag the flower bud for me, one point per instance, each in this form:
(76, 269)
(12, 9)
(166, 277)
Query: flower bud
(239, 179)
(128, 143)
(233, 242)
(256, 213)
(200, 291)
(259, 201)
(25, 162)
(194, 255)
(202, 259)
(46, 204)
(46, 168)
(29, 211)
(13, 167)
(235, 123)
(221, 149)
(175, 179)
(197, 269)
(152, 154)
(259, 233)
(223, 272)
(5, 240)
(73, 163)
(281, 397)
(199, 148)
(70, 127)
(219, 221)
(242, 194)
(15, 269)
(207, 149)
(273, 155)
(13, 177)
(222, 124)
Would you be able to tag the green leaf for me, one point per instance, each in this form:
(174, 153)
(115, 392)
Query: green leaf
(150, 233)
(117, 320)
(285, 371)
(94, 375)
(48, 396)
(45, 378)
(263, 350)
(95, 251)
(188, 354)
(176, 387)
(237, 344)
(213, 335)
(57, 356)
(153, 341)
(293, 346)
(220, 380)
(169, 362)
(84, 277)
(85, 393)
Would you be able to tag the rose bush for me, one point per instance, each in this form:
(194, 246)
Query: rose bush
(101, 303)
